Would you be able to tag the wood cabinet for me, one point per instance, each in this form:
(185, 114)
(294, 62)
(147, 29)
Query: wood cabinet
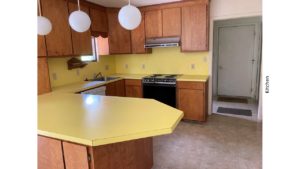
(43, 76)
(138, 38)
(192, 100)
(81, 41)
(118, 38)
(99, 21)
(41, 46)
(171, 18)
(195, 28)
(153, 23)
(50, 153)
(58, 41)
(116, 88)
(133, 88)
(58, 154)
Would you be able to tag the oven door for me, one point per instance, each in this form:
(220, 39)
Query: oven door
(163, 93)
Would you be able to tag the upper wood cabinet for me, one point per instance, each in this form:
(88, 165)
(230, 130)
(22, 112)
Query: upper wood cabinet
(99, 21)
(58, 41)
(171, 22)
(43, 76)
(138, 38)
(153, 23)
(194, 28)
(118, 38)
(41, 46)
(82, 42)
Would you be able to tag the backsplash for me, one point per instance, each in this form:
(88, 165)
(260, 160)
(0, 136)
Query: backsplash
(60, 75)
(163, 60)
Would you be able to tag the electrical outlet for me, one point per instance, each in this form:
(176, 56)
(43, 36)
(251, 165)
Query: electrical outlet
(106, 67)
(192, 66)
(126, 66)
(143, 66)
(54, 76)
(204, 59)
(77, 72)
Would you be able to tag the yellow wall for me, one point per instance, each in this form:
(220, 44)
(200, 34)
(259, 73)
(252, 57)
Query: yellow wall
(163, 60)
(65, 76)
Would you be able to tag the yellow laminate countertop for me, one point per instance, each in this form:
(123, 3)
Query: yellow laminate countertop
(97, 120)
(130, 76)
(199, 78)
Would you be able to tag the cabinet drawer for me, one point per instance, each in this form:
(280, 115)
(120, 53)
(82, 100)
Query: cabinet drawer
(191, 85)
(131, 82)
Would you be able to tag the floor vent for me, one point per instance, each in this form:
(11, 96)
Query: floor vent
(243, 112)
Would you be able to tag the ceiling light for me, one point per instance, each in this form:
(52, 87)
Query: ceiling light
(129, 17)
(79, 20)
(44, 24)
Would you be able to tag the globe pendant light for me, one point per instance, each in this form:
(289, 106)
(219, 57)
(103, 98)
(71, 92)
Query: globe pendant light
(44, 24)
(129, 17)
(79, 20)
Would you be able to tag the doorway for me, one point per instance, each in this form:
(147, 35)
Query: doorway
(236, 66)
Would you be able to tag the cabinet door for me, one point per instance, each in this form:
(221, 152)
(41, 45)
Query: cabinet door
(171, 22)
(82, 41)
(99, 20)
(50, 153)
(110, 89)
(120, 88)
(194, 28)
(58, 41)
(191, 102)
(41, 46)
(138, 38)
(76, 156)
(43, 76)
(118, 37)
(153, 23)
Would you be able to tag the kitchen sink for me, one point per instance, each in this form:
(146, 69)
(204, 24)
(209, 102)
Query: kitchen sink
(103, 78)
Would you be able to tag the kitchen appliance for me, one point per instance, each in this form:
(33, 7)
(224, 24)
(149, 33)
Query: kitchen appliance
(161, 88)
(162, 42)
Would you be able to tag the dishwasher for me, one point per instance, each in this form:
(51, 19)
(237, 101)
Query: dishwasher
(95, 91)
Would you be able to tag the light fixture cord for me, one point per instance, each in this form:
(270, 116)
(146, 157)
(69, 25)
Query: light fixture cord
(129, 2)
(39, 4)
(78, 5)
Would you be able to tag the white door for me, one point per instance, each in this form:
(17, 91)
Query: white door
(237, 63)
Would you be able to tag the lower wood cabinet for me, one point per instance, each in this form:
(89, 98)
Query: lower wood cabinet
(192, 100)
(58, 154)
(43, 76)
(116, 88)
(133, 88)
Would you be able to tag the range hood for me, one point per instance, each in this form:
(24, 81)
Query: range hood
(162, 42)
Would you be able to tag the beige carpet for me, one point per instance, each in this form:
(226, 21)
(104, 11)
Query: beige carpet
(221, 143)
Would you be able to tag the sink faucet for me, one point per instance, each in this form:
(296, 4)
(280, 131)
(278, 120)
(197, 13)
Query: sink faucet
(98, 75)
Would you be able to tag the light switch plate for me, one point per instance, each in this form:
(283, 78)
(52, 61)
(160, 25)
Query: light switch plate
(106, 67)
(54, 76)
(126, 66)
(77, 72)
(143, 66)
(192, 66)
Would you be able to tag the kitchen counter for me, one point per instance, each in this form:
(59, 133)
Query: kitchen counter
(197, 78)
(131, 76)
(97, 120)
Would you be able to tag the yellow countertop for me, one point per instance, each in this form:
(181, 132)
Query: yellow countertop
(130, 76)
(199, 78)
(97, 120)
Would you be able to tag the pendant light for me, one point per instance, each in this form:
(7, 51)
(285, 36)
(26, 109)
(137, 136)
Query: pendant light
(129, 17)
(79, 20)
(44, 24)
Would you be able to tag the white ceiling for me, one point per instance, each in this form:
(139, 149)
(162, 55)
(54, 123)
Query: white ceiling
(120, 3)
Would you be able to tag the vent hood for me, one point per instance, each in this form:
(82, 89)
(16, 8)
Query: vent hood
(162, 42)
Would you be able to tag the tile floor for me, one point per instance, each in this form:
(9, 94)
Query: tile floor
(221, 143)
(251, 105)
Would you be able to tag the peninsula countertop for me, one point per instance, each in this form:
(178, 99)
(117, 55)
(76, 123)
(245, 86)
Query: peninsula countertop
(97, 120)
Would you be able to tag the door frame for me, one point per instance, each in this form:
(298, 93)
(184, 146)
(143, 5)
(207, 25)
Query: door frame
(257, 22)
